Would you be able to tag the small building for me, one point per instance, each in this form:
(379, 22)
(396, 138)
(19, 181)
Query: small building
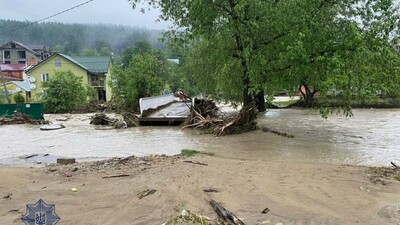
(14, 52)
(94, 71)
(13, 71)
(16, 88)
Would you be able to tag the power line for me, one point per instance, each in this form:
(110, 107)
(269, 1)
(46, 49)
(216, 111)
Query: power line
(41, 20)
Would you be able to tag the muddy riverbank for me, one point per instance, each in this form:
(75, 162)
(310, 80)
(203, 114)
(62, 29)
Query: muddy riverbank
(108, 192)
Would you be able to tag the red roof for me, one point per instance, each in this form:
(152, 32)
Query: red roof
(13, 67)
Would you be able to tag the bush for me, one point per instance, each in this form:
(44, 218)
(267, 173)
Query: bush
(64, 92)
(19, 99)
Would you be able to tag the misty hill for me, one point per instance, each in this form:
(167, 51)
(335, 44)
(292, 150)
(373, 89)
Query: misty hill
(73, 38)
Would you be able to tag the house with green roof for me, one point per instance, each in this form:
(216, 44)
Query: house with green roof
(94, 71)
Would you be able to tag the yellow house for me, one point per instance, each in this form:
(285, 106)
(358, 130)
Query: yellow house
(94, 72)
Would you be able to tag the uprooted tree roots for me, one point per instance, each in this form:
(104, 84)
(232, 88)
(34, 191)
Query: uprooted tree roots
(204, 115)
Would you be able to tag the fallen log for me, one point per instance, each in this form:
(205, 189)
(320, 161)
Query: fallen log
(225, 214)
(210, 190)
(146, 193)
(266, 129)
(195, 162)
(116, 176)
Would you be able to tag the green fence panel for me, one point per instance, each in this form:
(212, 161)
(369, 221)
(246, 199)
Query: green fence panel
(33, 110)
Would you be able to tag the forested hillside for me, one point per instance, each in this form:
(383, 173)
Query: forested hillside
(73, 38)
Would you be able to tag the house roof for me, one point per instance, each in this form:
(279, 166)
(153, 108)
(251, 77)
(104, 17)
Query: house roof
(36, 47)
(20, 44)
(97, 64)
(91, 64)
(13, 67)
(24, 85)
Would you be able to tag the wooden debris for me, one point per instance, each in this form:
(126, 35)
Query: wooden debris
(210, 190)
(393, 164)
(266, 129)
(20, 118)
(116, 176)
(195, 162)
(7, 196)
(146, 193)
(29, 156)
(204, 115)
(131, 119)
(102, 119)
(265, 211)
(225, 214)
(241, 122)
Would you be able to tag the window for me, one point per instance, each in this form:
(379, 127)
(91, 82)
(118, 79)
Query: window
(45, 76)
(21, 54)
(21, 62)
(7, 55)
(7, 62)
(58, 62)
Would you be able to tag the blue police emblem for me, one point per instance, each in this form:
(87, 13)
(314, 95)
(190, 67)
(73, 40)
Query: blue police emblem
(40, 214)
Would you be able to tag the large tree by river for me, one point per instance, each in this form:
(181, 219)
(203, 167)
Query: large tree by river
(344, 48)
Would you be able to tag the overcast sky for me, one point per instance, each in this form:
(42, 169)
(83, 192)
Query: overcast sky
(97, 11)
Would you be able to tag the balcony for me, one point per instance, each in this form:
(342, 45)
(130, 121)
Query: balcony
(97, 81)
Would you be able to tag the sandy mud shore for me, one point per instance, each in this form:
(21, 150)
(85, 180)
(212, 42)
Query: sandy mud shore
(111, 192)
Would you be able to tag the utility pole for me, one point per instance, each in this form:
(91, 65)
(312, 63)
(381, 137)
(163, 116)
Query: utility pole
(5, 87)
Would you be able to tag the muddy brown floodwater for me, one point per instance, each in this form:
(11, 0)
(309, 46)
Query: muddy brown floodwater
(371, 137)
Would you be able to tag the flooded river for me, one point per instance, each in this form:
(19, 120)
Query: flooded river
(371, 137)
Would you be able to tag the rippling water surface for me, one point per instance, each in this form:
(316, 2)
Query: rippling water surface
(371, 137)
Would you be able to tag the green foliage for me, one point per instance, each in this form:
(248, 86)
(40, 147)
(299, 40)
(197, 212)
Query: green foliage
(64, 92)
(189, 152)
(19, 98)
(234, 49)
(397, 177)
(144, 77)
(140, 47)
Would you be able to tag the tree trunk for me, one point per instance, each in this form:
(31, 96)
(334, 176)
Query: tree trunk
(260, 101)
(247, 99)
(308, 95)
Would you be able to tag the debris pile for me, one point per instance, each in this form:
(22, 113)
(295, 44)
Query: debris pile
(204, 115)
(131, 119)
(20, 118)
(241, 122)
(102, 119)
(110, 166)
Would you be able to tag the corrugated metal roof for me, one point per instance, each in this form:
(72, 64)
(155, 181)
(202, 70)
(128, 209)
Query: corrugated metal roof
(96, 64)
(24, 85)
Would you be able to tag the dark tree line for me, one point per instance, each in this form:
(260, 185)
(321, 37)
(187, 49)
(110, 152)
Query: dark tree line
(73, 38)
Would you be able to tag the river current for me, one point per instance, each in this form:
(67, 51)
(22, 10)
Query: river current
(371, 137)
